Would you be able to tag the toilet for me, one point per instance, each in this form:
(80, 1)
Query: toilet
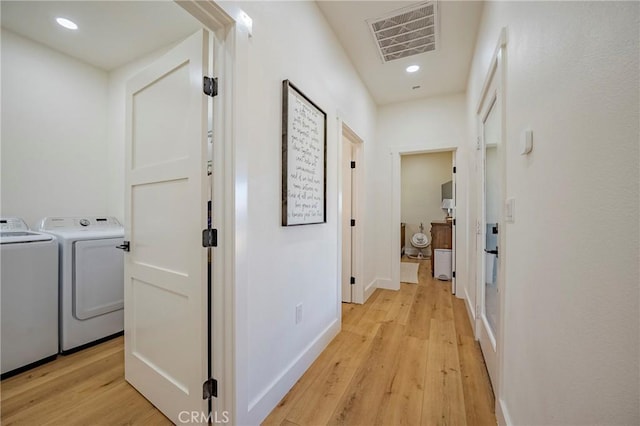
(420, 241)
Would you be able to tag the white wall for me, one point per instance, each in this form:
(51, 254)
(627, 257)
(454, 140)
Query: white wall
(431, 124)
(571, 318)
(278, 267)
(53, 133)
(422, 176)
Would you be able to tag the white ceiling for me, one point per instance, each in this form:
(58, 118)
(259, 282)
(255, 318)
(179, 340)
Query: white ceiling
(442, 71)
(110, 33)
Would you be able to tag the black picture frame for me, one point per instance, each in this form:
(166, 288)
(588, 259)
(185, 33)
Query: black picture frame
(304, 159)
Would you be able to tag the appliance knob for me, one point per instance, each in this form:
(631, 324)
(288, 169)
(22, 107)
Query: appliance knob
(84, 222)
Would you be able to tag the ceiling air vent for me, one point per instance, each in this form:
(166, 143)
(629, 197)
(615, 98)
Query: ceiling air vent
(406, 32)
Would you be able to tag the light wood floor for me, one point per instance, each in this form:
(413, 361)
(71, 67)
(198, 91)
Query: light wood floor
(85, 388)
(403, 358)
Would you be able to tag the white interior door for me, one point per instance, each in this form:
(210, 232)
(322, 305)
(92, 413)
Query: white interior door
(453, 224)
(490, 225)
(347, 215)
(165, 213)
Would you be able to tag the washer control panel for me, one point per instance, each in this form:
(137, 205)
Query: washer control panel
(13, 224)
(84, 222)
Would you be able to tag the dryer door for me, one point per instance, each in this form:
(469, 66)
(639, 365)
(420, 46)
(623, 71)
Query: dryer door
(98, 270)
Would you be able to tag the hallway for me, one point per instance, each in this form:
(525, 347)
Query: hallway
(403, 358)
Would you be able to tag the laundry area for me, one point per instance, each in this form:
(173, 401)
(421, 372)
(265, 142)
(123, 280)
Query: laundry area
(63, 150)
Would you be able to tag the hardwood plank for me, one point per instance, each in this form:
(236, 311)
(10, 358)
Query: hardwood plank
(75, 386)
(402, 404)
(64, 365)
(443, 402)
(400, 310)
(319, 401)
(443, 307)
(86, 387)
(421, 312)
(384, 301)
(373, 378)
(99, 409)
(478, 394)
(279, 413)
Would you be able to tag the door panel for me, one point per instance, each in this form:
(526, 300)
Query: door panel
(165, 212)
(489, 228)
(347, 229)
(167, 204)
(148, 344)
(492, 209)
(154, 126)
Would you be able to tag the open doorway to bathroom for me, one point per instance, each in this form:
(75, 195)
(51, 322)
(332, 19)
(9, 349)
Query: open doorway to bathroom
(427, 200)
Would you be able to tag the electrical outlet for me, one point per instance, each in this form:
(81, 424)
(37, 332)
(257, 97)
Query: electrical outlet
(299, 313)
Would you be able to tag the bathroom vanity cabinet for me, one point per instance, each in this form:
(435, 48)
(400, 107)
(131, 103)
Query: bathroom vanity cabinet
(440, 238)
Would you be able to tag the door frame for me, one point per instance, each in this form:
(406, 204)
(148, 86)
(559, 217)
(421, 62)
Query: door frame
(227, 31)
(357, 195)
(396, 201)
(496, 75)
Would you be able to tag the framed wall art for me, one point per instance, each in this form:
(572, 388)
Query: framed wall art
(304, 159)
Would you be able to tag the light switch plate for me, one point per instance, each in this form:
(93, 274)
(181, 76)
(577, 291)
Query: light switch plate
(510, 210)
(299, 313)
(526, 142)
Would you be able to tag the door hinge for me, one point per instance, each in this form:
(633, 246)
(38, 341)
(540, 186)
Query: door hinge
(353, 164)
(454, 169)
(210, 389)
(454, 222)
(210, 86)
(353, 222)
(453, 274)
(210, 237)
(353, 280)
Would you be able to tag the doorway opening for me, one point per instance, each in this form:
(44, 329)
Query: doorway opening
(423, 212)
(81, 133)
(426, 212)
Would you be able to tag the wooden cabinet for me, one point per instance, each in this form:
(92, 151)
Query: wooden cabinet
(440, 238)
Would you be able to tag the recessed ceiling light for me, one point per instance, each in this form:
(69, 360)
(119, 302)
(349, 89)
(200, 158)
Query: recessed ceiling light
(413, 68)
(67, 23)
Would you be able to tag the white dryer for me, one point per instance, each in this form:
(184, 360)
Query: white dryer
(91, 279)
(29, 294)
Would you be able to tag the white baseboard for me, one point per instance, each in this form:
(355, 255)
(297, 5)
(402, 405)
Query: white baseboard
(470, 310)
(264, 403)
(368, 291)
(385, 283)
(502, 414)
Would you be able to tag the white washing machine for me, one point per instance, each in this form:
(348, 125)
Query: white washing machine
(29, 294)
(91, 279)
